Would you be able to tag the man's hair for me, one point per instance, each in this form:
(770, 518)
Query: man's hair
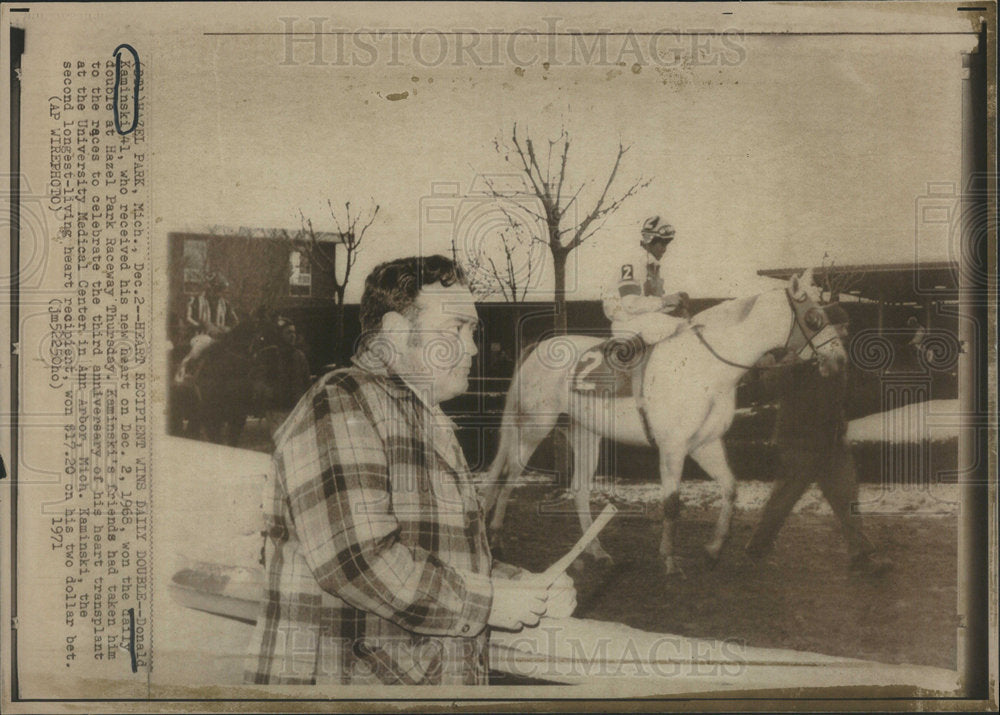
(395, 285)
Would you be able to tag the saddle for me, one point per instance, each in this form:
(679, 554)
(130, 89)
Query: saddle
(614, 367)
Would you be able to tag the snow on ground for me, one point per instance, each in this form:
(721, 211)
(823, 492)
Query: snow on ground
(939, 500)
(935, 420)
(935, 500)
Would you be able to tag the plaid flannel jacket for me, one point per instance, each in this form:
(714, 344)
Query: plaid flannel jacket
(378, 568)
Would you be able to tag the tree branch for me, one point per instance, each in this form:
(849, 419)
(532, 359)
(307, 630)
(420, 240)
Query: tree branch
(501, 198)
(527, 161)
(549, 186)
(601, 213)
(562, 173)
(324, 256)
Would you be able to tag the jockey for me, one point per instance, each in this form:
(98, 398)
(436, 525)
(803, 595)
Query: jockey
(210, 314)
(634, 298)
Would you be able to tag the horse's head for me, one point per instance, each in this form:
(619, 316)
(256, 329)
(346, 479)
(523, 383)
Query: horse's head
(244, 339)
(813, 336)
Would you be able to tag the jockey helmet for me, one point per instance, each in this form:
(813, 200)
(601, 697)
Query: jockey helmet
(653, 230)
(217, 281)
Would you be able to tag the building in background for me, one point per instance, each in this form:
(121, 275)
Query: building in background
(882, 292)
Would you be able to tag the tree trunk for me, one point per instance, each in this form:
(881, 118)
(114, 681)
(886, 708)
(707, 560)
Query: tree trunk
(560, 445)
(559, 324)
(343, 352)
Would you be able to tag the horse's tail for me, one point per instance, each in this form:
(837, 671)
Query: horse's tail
(500, 468)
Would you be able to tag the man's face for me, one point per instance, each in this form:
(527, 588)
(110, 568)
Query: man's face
(657, 247)
(438, 351)
(824, 365)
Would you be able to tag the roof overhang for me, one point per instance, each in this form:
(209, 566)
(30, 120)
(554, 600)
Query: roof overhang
(894, 282)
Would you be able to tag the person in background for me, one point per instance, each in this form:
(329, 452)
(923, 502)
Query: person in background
(209, 311)
(502, 365)
(378, 569)
(210, 315)
(919, 334)
(281, 373)
(811, 440)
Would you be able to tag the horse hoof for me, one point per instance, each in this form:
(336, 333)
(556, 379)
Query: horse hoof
(673, 569)
(586, 564)
(596, 551)
(600, 556)
(602, 562)
(711, 559)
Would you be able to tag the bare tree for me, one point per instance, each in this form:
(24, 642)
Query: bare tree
(833, 283)
(567, 225)
(326, 255)
(336, 258)
(503, 264)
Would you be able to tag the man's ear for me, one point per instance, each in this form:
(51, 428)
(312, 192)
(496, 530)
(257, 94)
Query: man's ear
(396, 327)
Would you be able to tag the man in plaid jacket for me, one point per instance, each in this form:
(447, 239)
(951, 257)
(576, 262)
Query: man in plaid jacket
(378, 568)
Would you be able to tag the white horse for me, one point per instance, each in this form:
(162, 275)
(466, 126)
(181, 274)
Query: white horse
(688, 395)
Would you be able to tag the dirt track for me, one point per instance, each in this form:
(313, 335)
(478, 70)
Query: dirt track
(801, 597)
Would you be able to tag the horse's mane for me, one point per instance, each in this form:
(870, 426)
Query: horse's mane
(525, 352)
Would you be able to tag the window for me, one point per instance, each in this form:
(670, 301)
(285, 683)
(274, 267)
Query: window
(300, 279)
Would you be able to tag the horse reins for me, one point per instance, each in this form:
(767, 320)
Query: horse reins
(791, 330)
(697, 331)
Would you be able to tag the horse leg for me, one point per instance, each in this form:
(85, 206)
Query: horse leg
(193, 408)
(236, 424)
(494, 531)
(712, 458)
(517, 460)
(671, 466)
(586, 452)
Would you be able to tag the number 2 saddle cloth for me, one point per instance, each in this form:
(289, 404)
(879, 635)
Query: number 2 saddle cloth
(613, 368)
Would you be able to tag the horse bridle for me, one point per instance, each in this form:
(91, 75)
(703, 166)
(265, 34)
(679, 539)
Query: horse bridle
(808, 321)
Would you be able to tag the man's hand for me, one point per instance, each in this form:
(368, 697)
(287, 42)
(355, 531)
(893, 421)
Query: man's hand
(562, 598)
(767, 361)
(648, 304)
(523, 600)
(517, 603)
(674, 302)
